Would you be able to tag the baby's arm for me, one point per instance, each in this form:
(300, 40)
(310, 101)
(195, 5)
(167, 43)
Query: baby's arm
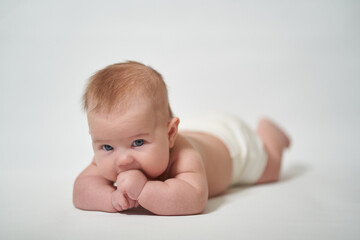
(92, 191)
(185, 193)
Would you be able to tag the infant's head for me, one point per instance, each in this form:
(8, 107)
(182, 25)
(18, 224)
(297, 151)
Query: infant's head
(121, 85)
(130, 120)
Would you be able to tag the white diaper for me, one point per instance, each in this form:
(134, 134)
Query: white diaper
(246, 149)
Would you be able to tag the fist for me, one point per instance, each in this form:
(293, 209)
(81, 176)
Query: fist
(131, 183)
(122, 202)
(129, 186)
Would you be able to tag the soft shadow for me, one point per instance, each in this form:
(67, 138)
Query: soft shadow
(290, 173)
(138, 211)
(215, 203)
(293, 171)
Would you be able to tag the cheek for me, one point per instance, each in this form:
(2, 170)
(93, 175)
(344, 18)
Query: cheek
(105, 168)
(156, 164)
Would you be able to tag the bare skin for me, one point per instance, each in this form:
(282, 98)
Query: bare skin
(219, 172)
(150, 163)
(216, 158)
(199, 166)
(275, 142)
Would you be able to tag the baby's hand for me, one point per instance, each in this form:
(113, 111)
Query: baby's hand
(122, 202)
(129, 186)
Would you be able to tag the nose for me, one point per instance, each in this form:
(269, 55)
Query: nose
(124, 162)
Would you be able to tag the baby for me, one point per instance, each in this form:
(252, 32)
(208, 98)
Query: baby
(142, 158)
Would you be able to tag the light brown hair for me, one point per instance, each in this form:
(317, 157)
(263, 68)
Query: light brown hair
(120, 84)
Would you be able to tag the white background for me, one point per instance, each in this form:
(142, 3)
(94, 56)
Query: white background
(297, 62)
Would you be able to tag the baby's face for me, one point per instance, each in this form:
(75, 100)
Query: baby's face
(131, 139)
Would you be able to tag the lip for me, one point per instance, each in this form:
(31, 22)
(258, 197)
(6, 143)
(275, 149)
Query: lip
(120, 170)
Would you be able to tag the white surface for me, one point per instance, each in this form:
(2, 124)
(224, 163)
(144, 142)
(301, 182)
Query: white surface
(297, 62)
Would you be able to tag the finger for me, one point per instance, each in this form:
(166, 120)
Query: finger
(121, 201)
(116, 206)
(124, 203)
(132, 203)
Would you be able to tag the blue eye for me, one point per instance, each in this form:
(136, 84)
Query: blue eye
(107, 148)
(138, 143)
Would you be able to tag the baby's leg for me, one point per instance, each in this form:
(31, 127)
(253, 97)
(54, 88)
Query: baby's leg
(275, 142)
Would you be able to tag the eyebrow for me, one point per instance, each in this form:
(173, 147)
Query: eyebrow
(140, 135)
(131, 137)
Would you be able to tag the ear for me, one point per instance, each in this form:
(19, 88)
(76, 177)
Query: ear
(173, 130)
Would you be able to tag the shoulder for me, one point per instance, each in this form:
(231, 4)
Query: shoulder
(185, 157)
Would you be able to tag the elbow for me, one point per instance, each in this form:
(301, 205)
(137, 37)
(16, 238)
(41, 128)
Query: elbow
(196, 205)
(80, 196)
(197, 210)
(77, 201)
(176, 209)
(76, 198)
(194, 209)
(201, 198)
(201, 204)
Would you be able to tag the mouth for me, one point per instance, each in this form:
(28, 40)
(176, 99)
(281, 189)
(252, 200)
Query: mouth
(118, 170)
(121, 170)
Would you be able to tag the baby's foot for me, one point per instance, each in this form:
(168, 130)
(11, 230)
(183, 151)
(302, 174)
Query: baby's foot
(275, 141)
(275, 132)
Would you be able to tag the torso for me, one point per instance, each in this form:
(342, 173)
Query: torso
(215, 156)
